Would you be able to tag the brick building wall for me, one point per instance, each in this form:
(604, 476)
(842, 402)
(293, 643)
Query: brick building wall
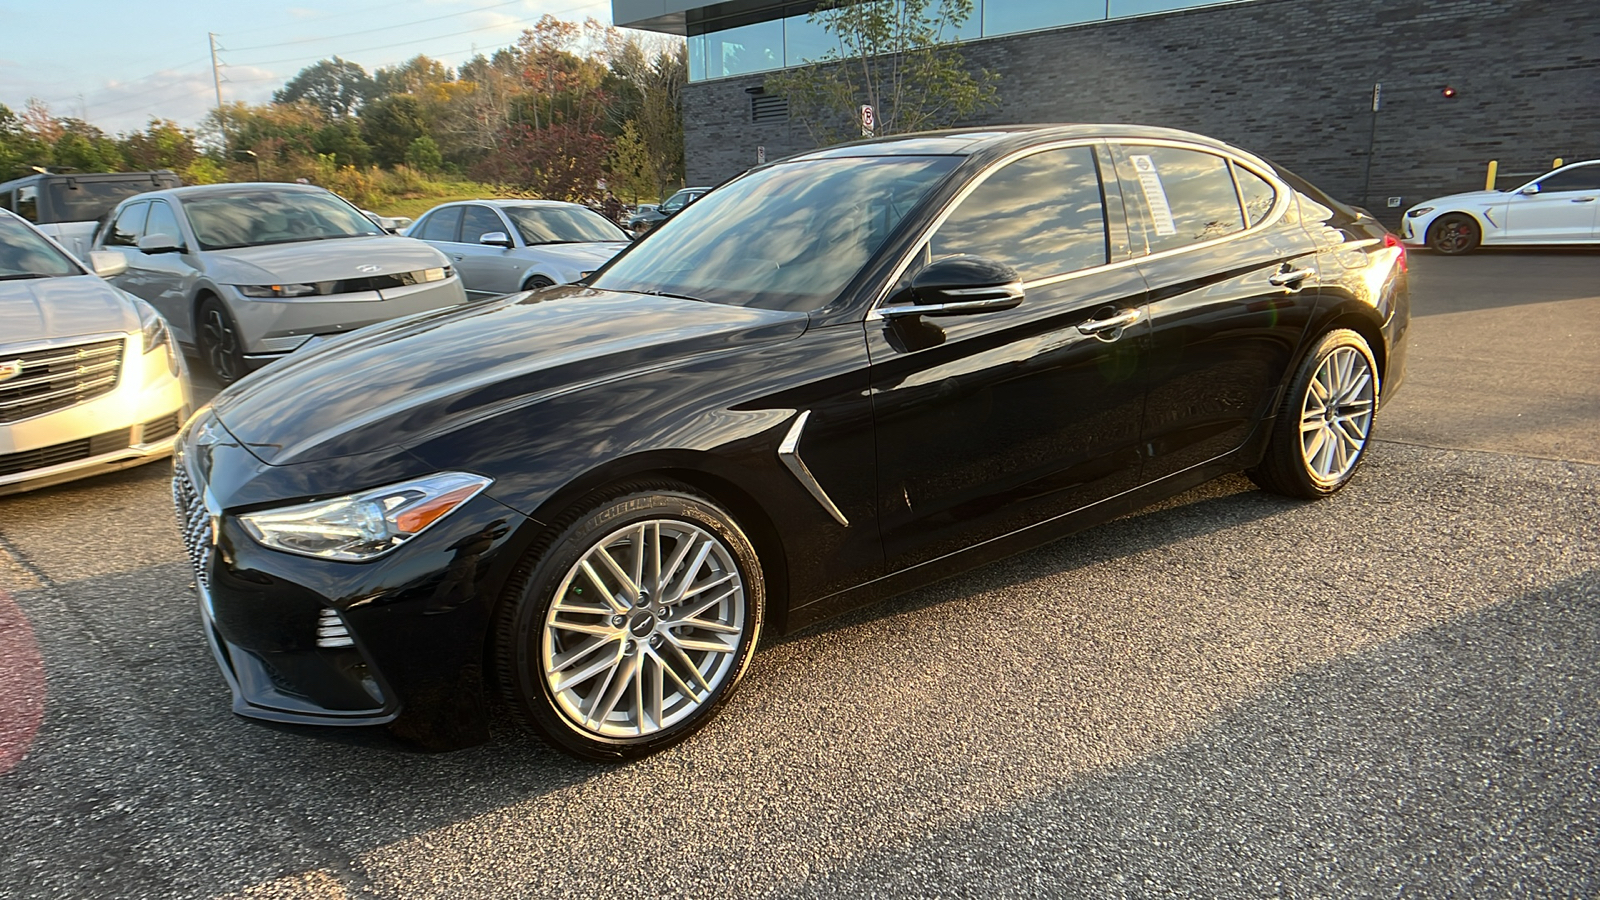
(1288, 79)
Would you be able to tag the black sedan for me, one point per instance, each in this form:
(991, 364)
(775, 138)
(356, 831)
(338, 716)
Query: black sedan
(936, 350)
(647, 218)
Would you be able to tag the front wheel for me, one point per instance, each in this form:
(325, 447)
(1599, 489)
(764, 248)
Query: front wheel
(220, 344)
(627, 630)
(537, 283)
(1454, 234)
(1323, 428)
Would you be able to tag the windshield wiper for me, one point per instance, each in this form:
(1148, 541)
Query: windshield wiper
(673, 296)
(23, 276)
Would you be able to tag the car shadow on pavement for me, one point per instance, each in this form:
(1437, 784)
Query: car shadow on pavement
(1459, 760)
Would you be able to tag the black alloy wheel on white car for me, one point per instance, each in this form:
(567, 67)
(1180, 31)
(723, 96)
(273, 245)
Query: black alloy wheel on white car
(627, 629)
(1325, 422)
(1454, 234)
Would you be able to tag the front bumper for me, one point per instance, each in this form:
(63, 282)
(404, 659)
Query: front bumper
(398, 641)
(133, 424)
(273, 327)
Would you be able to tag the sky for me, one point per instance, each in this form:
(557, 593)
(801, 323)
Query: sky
(118, 63)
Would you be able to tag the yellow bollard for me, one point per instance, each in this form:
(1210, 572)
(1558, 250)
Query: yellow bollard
(1494, 168)
(1558, 163)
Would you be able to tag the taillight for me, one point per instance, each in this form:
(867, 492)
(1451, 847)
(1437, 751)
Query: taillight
(1390, 240)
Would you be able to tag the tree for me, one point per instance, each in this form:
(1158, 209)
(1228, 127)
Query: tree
(423, 155)
(893, 55)
(390, 125)
(649, 82)
(342, 140)
(336, 87)
(161, 145)
(410, 77)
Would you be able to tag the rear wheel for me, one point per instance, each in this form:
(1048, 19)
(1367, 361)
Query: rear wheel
(220, 344)
(1323, 428)
(1453, 234)
(627, 631)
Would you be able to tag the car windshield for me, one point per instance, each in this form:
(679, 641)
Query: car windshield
(562, 225)
(24, 254)
(249, 218)
(789, 237)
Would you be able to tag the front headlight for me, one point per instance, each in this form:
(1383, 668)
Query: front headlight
(367, 525)
(277, 290)
(1419, 211)
(153, 336)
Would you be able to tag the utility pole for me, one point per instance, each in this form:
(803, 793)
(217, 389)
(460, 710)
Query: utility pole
(216, 81)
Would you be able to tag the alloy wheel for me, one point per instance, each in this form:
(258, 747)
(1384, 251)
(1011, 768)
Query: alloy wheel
(1336, 416)
(222, 345)
(644, 629)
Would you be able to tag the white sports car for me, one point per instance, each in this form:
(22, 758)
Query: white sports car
(1559, 207)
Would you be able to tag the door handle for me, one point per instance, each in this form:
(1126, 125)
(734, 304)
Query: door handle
(1583, 200)
(1290, 278)
(460, 257)
(1118, 321)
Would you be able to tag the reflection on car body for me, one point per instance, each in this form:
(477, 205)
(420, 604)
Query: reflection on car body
(834, 378)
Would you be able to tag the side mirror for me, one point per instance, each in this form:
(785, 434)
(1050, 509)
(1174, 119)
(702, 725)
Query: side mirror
(958, 286)
(1529, 191)
(496, 239)
(107, 264)
(159, 243)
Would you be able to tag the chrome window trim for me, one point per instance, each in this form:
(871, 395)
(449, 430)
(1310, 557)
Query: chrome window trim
(1280, 207)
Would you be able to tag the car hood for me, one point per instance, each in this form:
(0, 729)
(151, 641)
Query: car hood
(330, 260)
(1472, 199)
(398, 383)
(583, 257)
(37, 309)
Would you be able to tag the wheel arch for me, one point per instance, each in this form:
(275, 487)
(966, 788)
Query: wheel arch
(691, 468)
(1433, 222)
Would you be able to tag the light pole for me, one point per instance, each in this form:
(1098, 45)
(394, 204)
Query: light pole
(252, 155)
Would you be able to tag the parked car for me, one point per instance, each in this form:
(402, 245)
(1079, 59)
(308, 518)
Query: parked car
(837, 377)
(246, 273)
(69, 208)
(1558, 207)
(391, 224)
(646, 218)
(501, 246)
(90, 381)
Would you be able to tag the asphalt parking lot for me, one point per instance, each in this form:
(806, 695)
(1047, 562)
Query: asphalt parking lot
(1388, 693)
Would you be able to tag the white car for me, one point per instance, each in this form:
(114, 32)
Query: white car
(504, 246)
(90, 380)
(1559, 207)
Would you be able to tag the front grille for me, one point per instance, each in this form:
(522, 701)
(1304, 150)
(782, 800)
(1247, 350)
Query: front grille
(195, 523)
(57, 454)
(58, 377)
(377, 282)
(159, 429)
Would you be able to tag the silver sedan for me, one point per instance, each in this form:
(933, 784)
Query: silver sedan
(503, 246)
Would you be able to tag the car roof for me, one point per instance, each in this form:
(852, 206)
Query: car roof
(972, 141)
(505, 203)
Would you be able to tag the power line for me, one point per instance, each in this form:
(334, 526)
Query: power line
(335, 37)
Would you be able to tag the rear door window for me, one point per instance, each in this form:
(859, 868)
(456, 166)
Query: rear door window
(1186, 196)
(441, 225)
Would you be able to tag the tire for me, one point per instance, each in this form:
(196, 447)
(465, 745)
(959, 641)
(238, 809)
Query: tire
(1454, 234)
(1316, 445)
(218, 339)
(537, 283)
(627, 662)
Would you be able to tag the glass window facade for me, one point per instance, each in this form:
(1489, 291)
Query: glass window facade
(794, 40)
